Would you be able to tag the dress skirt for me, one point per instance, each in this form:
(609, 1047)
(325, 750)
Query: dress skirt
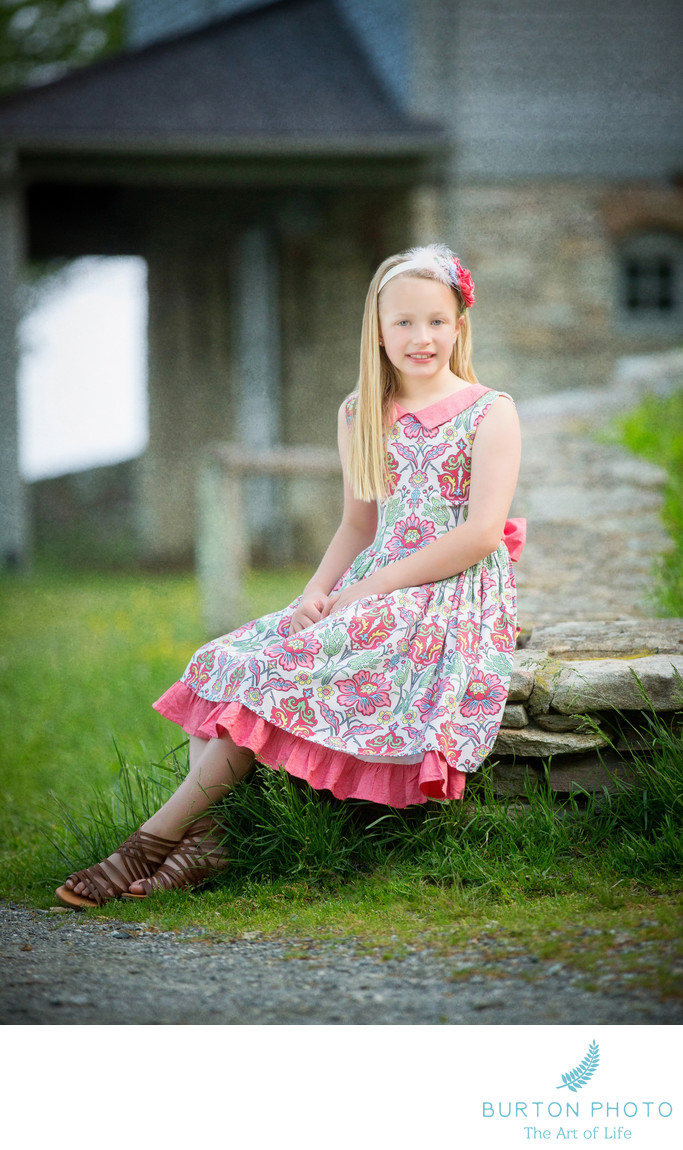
(346, 776)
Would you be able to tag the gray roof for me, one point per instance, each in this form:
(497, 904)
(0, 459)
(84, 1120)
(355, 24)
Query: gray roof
(282, 76)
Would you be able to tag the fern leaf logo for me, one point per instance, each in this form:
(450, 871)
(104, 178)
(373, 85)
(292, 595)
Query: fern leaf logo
(578, 1077)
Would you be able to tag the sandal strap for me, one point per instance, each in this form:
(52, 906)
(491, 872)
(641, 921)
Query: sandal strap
(144, 852)
(196, 857)
(141, 855)
(95, 882)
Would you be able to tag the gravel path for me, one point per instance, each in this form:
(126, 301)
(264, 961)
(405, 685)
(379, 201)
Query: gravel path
(61, 969)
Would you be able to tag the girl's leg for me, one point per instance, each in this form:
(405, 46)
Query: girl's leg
(197, 748)
(217, 768)
(216, 765)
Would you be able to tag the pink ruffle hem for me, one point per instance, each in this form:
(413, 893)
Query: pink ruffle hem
(324, 769)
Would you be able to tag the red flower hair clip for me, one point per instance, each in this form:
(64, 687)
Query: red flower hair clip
(463, 281)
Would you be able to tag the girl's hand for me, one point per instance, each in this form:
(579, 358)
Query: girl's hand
(310, 610)
(342, 599)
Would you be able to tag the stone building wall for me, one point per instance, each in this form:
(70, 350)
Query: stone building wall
(545, 260)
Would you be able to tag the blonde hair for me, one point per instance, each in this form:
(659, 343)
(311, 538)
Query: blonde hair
(378, 381)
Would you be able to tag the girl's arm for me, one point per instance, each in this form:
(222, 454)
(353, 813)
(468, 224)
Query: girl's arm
(355, 532)
(496, 455)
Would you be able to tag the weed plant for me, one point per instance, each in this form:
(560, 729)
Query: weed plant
(655, 431)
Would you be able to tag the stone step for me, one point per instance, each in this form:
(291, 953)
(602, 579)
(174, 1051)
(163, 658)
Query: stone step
(579, 701)
(596, 640)
(575, 687)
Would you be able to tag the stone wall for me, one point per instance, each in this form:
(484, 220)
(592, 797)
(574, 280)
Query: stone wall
(580, 700)
(545, 258)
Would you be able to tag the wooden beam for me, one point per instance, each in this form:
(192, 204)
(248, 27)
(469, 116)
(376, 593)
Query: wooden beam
(14, 549)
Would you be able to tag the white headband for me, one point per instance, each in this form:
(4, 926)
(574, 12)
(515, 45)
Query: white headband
(406, 266)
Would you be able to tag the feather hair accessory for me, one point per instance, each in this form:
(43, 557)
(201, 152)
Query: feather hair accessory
(435, 259)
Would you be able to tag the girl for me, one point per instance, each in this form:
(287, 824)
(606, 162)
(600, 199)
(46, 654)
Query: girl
(387, 678)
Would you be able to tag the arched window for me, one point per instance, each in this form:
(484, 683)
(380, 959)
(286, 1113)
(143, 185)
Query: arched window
(651, 280)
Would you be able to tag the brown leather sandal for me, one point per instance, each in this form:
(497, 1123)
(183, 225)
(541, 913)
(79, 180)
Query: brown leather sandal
(142, 854)
(196, 857)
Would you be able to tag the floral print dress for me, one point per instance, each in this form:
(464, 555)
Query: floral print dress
(400, 696)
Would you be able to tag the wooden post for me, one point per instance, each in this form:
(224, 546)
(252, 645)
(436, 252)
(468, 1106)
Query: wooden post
(221, 546)
(222, 538)
(256, 311)
(14, 548)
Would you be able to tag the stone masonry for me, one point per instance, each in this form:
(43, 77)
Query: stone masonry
(580, 699)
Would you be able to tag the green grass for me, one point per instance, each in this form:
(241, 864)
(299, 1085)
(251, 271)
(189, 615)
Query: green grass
(84, 658)
(655, 431)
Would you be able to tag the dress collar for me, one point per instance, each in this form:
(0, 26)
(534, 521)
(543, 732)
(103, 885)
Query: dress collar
(444, 409)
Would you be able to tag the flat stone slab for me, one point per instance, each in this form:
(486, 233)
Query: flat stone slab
(512, 778)
(618, 684)
(532, 743)
(545, 683)
(584, 639)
